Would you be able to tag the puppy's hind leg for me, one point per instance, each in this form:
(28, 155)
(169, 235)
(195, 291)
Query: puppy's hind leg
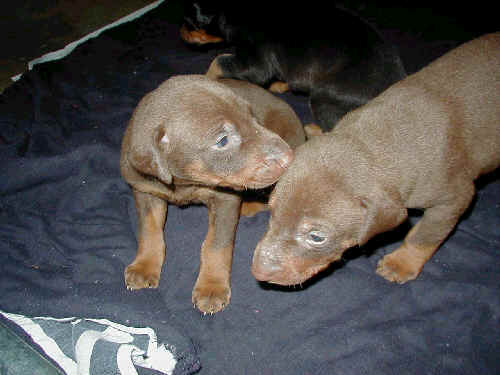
(144, 272)
(405, 263)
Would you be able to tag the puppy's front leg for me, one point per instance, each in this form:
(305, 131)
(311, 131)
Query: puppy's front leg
(212, 290)
(405, 263)
(144, 272)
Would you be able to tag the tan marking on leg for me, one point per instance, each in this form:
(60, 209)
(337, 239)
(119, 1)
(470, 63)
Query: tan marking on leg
(145, 270)
(279, 87)
(405, 263)
(426, 236)
(214, 71)
(212, 290)
(252, 208)
(198, 36)
(312, 130)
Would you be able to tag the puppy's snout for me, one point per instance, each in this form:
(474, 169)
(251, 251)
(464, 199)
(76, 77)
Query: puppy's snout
(271, 162)
(278, 156)
(264, 266)
(282, 158)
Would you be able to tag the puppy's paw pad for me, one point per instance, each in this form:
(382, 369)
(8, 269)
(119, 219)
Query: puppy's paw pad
(139, 276)
(397, 270)
(212, 298)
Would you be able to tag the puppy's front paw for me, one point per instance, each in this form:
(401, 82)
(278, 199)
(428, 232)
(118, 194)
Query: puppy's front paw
(399, 268)
(211, 297)
(142, 275)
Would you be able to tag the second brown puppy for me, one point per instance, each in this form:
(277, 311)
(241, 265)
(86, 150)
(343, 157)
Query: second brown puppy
(420, 144)
(188, 141)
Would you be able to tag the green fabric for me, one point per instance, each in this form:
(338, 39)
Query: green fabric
(19, 358)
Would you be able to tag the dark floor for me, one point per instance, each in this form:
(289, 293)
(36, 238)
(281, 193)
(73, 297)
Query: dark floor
(32, 28)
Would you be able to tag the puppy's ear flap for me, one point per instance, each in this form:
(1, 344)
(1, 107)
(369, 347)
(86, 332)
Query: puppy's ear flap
(151, 156)
(383, 213)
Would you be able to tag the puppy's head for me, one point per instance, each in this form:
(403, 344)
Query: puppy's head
(198, 131)
(318, 210)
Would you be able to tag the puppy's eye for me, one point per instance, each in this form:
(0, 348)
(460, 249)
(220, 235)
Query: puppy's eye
(316, 238)
(222, 141)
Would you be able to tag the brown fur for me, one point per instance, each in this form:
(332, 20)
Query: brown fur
(171, 154)
(420, 144)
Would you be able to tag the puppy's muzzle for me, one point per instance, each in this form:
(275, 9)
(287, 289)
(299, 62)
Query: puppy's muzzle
(272, 166)
(264, 265)
(277, 163)
(272, 265)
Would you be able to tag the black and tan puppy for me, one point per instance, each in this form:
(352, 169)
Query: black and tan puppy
(420, 144)
(333, 56)
(187, 139)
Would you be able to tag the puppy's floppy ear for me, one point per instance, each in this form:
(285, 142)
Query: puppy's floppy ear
(150, 156)
(383, 212)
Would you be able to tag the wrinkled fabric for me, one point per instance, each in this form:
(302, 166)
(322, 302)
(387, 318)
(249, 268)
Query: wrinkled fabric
(68, 230)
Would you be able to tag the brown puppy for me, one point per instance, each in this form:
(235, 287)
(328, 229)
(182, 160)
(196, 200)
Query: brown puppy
(185, 140)
(420, 144)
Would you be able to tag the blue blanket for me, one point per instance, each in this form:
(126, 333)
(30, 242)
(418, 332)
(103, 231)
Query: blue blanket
(68, 230)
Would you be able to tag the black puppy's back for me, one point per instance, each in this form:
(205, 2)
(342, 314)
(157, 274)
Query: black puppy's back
(328, 53)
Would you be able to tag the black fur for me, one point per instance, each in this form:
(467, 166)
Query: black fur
(330, 54)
